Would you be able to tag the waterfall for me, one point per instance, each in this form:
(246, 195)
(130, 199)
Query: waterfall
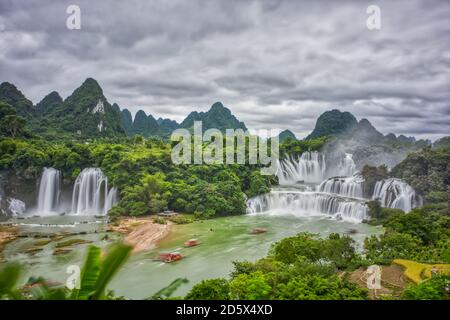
(111, 199)
(16, 207)
(395, 193)
(90, 193)
(300, 203)
(351, 187)
(340, 196)
(346, 166)
(309, 168)
(49, 190)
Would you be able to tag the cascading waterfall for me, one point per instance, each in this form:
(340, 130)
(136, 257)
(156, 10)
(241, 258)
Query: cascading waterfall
(395, 193)
(309, 168)
(351, 187)
(346, 167)
(300, 203)
(340, 197)
(90, 193)
(49, 191)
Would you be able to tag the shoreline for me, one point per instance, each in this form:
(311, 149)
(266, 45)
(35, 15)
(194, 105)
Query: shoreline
(142, 233)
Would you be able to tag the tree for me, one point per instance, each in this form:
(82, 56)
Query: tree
(251, 286)
(12, 125)
(213, 289)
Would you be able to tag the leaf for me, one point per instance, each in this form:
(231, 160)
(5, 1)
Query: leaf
(170, 289)
(89, 275)
(117, 256)
(9, 276)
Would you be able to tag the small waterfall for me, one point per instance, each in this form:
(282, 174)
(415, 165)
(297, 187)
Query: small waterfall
(395, 193)
(49, 190)
(302, 204)
(111, 199)
(309, 168)
(351, 187)
(347, 166)
(90, 193)
(16, 207)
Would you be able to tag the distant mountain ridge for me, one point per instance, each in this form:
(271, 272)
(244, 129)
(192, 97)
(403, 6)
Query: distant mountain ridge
(87, 113)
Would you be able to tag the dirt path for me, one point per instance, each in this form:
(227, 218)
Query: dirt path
(142, 233)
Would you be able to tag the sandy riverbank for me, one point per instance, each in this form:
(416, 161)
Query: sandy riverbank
(142, 233)
(7, 234)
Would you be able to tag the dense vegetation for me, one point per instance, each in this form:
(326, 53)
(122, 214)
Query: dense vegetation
(332, 123)
(142, 169)
(303, 267)
(428, 172)
(306, 267)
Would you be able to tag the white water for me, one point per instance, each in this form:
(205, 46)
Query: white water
(309, 168)
(90, 193)
(346, 167)
(16, 207)
(395, 193)
(339, 197)
(351, 187)
(49, 191)
(306, 203)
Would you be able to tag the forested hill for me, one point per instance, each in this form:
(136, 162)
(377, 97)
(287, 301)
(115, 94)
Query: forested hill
(87, 113)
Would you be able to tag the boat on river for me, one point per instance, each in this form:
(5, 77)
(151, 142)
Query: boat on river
(169, 257)
(191, 243)
(258, 230)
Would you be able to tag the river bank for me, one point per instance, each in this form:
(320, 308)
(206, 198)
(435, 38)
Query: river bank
(141, 233)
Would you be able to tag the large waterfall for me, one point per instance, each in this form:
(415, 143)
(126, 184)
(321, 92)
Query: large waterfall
(339, 197)
(305, 203)
(49, 191)
(351, 187)
(395, 193)
(91, 194)
(338, 190)
(309, 168)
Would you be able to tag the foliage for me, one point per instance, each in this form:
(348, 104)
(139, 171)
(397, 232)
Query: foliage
(422, 235)
(213, 289)
(337, 251)
(436, 288)
(297, 147)
(251, 286)
(333, 122)
(170, 289)
(98, 272)
(371, 176)
(299, 267)
(426, 171)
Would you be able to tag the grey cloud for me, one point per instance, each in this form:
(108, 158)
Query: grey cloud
(275, 63)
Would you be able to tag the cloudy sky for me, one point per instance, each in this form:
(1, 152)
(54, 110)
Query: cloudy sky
(274, 63)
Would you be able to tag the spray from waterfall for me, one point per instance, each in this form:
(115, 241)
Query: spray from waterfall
(351, 187)
(91, 194)
(49, 191)
(395, 193)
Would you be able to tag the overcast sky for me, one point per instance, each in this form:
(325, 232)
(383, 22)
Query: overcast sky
(275, 64)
